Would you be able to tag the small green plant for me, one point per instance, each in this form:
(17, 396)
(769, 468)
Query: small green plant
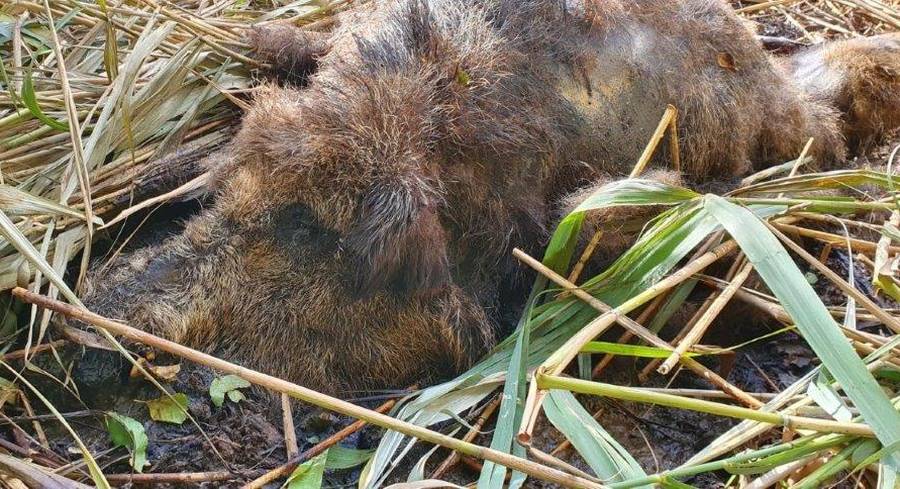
(228, 385)
(129, 433)
(169, 409)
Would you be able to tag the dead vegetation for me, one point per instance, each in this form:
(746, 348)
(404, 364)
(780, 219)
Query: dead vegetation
(83, 138)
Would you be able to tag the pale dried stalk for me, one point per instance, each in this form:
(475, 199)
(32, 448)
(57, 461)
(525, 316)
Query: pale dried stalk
(664, 123)
(531, 410)
(699, 329)
(585, 256)
(673, 142)
(648, 369)
(287, 420)
(78, 160)
(655, 305)
(834, 240)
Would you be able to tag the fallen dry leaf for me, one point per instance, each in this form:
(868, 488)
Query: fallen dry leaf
(726, 60)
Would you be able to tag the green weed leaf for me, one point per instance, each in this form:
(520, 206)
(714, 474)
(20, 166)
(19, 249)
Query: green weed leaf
(229, 385)
(169, 409)
(30, 100)
(129, 433)
(308, 475)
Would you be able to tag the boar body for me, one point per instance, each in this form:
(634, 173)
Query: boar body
(361, 232)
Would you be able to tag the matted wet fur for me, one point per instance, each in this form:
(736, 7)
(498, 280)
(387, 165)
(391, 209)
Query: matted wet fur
(361, 232)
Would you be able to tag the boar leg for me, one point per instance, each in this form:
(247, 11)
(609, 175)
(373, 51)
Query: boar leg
(860, 78)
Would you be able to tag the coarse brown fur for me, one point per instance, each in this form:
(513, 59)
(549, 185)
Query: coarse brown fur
(362, 227)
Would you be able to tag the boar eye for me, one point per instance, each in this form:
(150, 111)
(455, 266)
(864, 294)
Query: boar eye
(294, 221)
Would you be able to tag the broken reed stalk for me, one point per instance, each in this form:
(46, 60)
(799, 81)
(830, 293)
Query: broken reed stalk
(888, 320)
(453, 458)
(307, 395)
(834, 239)
(655, 305)
(770, 172)
(674, 148)
(699, 314)
(585, 256)
(618, 314)
(694, 335)
(664, 123)
(285, 469)
(287, 420)
(641, 395)
(644, 374)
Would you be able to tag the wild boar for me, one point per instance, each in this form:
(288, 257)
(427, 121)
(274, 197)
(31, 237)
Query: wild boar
(364, 215)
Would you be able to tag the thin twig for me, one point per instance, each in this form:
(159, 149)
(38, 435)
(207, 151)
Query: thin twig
(287, 420)
(696, 332)
(173, 478)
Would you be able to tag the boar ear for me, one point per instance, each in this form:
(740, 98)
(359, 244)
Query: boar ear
(399, 242)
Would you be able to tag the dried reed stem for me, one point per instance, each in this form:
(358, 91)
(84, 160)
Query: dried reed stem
(664, 123)
(694, 335)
